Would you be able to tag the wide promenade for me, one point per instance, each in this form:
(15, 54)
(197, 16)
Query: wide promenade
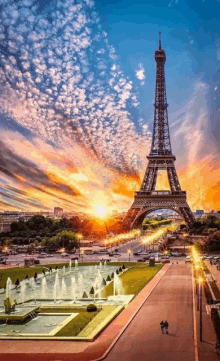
(172, 300)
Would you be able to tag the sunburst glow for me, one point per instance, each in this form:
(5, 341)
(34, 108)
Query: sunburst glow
(100, 211)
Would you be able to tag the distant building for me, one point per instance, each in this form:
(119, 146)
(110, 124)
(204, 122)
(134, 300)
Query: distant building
(199, 212)
(58, 212)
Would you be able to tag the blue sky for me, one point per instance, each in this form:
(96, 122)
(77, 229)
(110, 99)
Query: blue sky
(79, 77)
(190, 37)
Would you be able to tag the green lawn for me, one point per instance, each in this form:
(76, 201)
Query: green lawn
(74, 327)
(21, 272)
(89, 319)
(133, 279)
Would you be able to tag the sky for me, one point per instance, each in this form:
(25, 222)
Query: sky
(77, 82)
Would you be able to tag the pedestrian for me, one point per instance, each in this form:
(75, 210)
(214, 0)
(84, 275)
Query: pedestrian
(166, 325)
(162, 326)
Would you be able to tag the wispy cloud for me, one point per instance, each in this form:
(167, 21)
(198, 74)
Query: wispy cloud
(140, 73)
(60, 79)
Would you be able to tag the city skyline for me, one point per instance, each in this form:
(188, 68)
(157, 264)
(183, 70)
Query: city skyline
(76, 106)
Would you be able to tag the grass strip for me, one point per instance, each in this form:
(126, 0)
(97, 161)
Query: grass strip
(75, 326)
(97, 320)
(133, 280)
(21, 272)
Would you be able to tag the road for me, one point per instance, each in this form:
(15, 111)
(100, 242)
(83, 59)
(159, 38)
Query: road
(57, 258)
(171, 300)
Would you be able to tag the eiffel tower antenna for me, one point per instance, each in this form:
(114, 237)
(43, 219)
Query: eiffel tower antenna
(160, 157)
(159, 40)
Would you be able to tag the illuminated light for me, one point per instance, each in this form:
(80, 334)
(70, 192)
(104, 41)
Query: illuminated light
(200, 279)
(62, 250)
(129, 251)
(79, 236)
(100, 211)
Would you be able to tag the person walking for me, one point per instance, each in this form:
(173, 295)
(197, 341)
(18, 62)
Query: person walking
(166, 326)
(162, 326)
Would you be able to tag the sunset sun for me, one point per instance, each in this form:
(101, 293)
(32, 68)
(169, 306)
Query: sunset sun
(100, 211)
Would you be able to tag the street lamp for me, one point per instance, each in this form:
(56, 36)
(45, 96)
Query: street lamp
(82, 253)
(129, 254)
(79, 236)
(200, 305)
(184, 244)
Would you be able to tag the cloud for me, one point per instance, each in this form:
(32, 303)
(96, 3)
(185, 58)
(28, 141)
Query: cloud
(61, 83)
(60, 79)
(140, 73)
(36, 175)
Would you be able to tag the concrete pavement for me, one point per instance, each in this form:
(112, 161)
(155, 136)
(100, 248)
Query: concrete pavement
(171, 300)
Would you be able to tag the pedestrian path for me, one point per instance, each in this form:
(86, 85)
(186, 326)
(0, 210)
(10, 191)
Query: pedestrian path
(171, 300)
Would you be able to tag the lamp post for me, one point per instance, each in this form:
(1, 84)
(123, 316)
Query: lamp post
(82, 254)
(200, 306)
(184, 244)
(79, 236)
(129, 254)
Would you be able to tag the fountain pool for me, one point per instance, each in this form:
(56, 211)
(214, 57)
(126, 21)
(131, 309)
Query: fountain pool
(64, 290)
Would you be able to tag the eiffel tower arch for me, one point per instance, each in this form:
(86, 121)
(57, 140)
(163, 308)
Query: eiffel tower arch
(147, 199)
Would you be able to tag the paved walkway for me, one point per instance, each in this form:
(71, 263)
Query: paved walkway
(171, 300)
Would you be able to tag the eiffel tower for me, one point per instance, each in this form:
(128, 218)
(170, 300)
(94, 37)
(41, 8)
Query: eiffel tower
(160, 157)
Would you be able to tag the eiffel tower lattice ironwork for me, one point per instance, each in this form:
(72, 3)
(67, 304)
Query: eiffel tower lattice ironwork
(160, 157)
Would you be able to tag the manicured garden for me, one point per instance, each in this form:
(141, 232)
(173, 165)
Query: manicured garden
(22, 272)
(87, 324)
(134, 279)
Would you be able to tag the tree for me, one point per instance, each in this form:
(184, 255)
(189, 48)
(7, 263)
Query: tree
(213, 242)
(68, 239)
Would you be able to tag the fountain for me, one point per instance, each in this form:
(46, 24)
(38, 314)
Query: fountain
(60, 287)
(23, 290)
(56, 282)
(33, 287)
(73, 288)
(70, 265)
(80, 279)
(76, 263)
(43, 287)
(8, 287)
(64, 270)
(63, 288)
(117, 287)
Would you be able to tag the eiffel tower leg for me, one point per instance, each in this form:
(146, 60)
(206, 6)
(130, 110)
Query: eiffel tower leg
(150, 178)
(187, 215)
(130, 216)
(173, 179)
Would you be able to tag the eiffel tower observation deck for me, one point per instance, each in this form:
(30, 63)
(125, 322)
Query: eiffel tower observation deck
(160, 158)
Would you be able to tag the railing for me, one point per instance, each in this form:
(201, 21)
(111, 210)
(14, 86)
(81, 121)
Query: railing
(160, 193)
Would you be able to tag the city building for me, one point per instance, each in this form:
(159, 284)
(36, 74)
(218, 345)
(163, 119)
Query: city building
(58, 212)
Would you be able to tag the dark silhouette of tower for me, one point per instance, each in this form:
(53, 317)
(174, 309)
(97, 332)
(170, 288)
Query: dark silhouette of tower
(160, 157)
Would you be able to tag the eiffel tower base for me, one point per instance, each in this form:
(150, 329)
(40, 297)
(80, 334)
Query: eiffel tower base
(146, 202)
